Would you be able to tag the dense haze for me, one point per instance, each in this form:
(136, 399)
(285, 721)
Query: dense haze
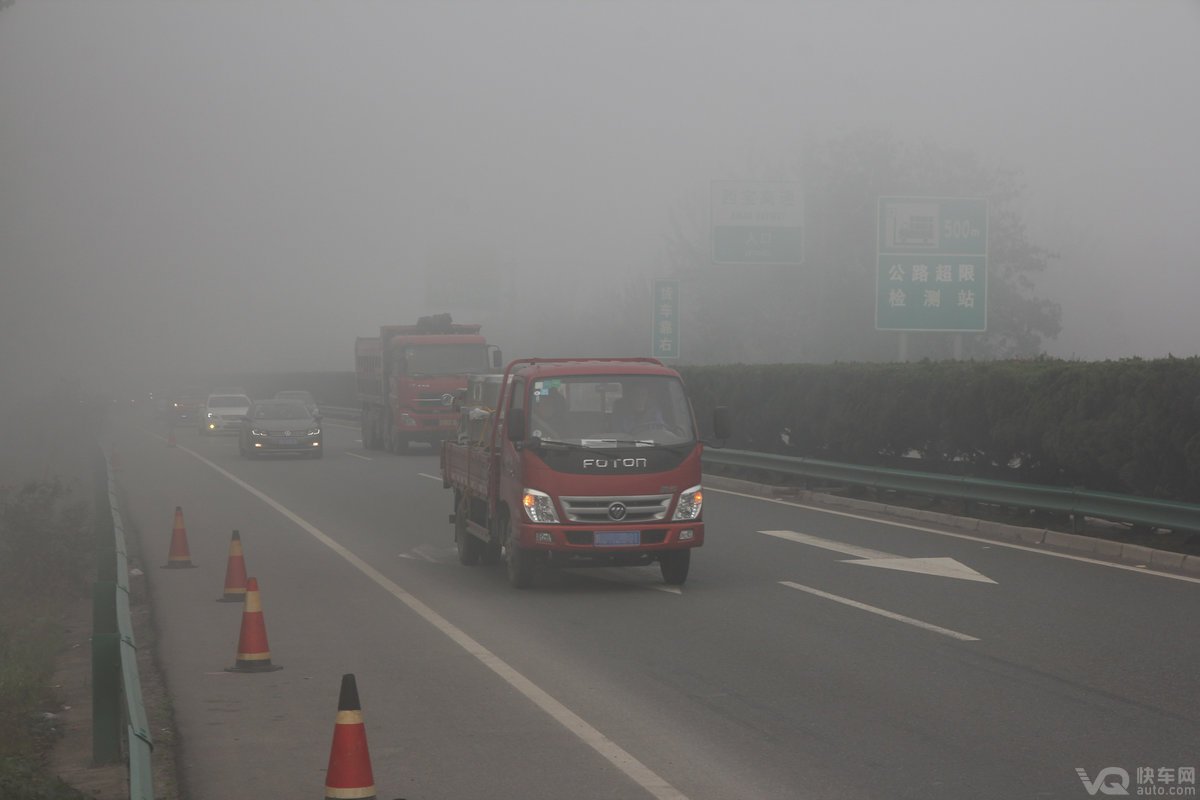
(199, 187)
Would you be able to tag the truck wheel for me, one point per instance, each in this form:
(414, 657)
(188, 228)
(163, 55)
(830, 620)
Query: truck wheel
(674, 565)
(489, 553)
(399, 444)
(364, 426)
(520, 564)
(468, 546)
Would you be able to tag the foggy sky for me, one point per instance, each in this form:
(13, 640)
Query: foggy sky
(248, 186)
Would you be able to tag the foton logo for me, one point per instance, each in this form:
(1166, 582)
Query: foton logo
(614, 463)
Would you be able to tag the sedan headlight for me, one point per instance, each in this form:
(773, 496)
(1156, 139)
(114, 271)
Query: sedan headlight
(313, 432)
(689, 504)
(538, 506)
(257, 432)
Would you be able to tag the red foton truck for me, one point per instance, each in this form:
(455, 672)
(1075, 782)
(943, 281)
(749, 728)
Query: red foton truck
(409, 376)
(590, 461)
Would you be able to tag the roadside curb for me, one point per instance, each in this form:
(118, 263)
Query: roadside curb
(1166, 560)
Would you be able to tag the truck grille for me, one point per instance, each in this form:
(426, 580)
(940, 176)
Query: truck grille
(639, 508)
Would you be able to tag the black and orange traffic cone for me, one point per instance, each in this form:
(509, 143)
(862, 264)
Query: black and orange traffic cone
(179, 557)
(349, 774)
(235, 572)
(253, 655)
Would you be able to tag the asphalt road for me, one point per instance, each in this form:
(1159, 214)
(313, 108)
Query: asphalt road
(782, 669)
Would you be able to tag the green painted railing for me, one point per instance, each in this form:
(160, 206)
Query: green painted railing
(1076, 502)
(119, 727)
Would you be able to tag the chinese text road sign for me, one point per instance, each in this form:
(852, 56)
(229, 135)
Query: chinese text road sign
(665, 336)
(932, 264)
(757, 222)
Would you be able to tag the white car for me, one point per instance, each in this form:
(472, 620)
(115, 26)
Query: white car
(223, 413)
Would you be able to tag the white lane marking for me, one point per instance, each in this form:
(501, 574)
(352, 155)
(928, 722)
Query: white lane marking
(989, 542)
(943, 567)
(429, 553)
(607, 748)
(356, 455)
(437, 478)
(962, 637)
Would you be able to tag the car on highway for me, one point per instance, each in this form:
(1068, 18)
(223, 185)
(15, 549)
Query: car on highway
(182, 408)
(300, 396)
(223, 413)
(280, 426)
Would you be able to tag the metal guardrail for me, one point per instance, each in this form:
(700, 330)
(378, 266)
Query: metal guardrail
(1076, 502)
(114, 653)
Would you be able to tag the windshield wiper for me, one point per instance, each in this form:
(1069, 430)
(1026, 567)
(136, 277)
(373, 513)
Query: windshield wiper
(643, 443)
(559, 443)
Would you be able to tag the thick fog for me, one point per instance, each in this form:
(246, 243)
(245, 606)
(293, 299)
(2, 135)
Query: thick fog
(216, 186)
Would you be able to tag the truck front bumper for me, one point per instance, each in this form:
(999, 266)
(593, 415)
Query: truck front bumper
(610, 541)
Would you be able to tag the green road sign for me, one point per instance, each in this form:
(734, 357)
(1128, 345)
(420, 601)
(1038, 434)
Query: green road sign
(919, 293)
(932, 264)
(757, 222)
(664, 335)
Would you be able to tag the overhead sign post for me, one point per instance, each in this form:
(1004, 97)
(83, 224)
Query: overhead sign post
(664, 337)
(931, 272)
(757, 222)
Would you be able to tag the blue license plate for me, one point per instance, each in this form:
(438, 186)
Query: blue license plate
(289, 440)
(617, 538)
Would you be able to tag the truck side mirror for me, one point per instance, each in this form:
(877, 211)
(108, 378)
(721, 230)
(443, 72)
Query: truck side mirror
(515, 424)
(722, 423)
(497, 358)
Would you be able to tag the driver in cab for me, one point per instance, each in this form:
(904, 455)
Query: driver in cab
(637, 410)
(549, 417)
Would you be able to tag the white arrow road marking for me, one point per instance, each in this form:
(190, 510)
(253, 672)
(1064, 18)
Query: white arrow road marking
(962, 637)
(944, 567)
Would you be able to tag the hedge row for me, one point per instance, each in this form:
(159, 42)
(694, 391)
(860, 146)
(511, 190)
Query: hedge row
(1129, 426)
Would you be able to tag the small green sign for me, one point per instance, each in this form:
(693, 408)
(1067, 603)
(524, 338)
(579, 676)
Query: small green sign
(664, 335)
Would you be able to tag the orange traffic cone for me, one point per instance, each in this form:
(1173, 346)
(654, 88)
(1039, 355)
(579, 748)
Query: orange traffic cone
(113, 460)
(349, 774)
(253, 654)
(170, 437)
(235, 572)
(179, 557)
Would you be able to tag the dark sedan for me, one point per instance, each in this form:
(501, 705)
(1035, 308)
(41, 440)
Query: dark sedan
(280, 426)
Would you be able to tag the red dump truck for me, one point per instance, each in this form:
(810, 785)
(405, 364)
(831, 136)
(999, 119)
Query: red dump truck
(584, 462)
(409, 376)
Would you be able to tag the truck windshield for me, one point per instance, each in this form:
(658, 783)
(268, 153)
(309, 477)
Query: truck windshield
(611, 410)
(446, 359)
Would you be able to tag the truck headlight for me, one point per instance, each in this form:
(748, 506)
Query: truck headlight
(211, 415)
(257, 432)
(538, 506)
(313, 432)
(689, 504)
